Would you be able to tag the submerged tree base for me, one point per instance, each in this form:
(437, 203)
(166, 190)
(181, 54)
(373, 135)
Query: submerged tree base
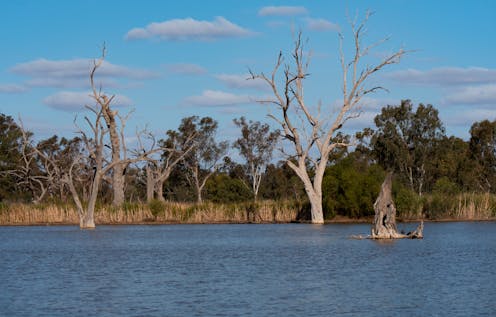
(384, 226)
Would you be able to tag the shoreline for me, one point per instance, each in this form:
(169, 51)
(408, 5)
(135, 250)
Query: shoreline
(341, 220)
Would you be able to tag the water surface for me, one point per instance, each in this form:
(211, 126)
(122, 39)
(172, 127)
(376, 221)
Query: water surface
(246, 270)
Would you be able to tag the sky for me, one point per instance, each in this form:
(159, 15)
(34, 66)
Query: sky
(167, 60)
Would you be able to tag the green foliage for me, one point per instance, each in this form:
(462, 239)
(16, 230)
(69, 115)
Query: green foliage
(223, 189)
(483, 151)
(406, 141)
(256, 145)
(350, 188)
(444, 186)
(156, 207)
(408, 203)
(10, 156)
(281, 183)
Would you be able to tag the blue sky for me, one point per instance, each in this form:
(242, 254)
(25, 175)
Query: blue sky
(171, 59)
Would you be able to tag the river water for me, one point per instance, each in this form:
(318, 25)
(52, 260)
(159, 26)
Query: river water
(246, 270)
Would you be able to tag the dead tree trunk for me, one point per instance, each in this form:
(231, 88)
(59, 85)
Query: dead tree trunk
(384, 226)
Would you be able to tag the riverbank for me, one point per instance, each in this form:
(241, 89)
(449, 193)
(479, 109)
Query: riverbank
(159, 212)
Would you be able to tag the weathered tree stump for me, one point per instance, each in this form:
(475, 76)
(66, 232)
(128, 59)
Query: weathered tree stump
(384, 226)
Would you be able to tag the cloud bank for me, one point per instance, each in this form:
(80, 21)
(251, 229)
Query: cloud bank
(242, 81)
(186, 69)
(321, 25)
(216, 98)
(461, 86)
(75, 73)
(445, 76)
(189, 29)
(73, 101)
(282, 11)
(12, 89)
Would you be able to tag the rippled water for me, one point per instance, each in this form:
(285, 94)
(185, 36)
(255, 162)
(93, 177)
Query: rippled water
(246, 270)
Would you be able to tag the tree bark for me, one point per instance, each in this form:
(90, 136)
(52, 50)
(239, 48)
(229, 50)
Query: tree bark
(159, 189)
(150, 184)
(384, 226)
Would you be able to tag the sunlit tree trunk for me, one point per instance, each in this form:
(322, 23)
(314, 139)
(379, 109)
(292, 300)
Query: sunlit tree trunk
(314, 136)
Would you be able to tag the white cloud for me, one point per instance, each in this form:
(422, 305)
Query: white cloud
(216, 98)
(282, 11)
(12, 89)
(321, 25)
(242, 81)
(75, 101)
(368, 109)
(189, 29)
(466, 117)
(445, 76)
(187, 69)
(473, 95)
(75, 73)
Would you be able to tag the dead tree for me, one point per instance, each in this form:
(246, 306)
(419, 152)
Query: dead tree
(116, 134)
(159, 168)
(36, 171)
(315, 132)
(384, 226)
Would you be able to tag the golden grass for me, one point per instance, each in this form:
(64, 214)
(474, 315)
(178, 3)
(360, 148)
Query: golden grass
(158, 212)
(467, 206)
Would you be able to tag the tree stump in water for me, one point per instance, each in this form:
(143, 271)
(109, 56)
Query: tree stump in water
(384, 226)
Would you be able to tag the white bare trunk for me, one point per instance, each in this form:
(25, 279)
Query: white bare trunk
(312, 189)
(118, 185)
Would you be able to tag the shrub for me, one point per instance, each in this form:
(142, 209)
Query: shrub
(156, 207)
(350, 188)
(408, 203)
(223, 189)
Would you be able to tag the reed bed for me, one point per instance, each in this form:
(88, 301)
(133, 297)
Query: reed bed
(466, 206)
(155, 212)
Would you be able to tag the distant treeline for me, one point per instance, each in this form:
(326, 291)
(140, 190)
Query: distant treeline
(436, 175)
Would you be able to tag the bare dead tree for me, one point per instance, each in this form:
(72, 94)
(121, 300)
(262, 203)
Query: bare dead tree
(159, 167)
(102, 125)
(116, 133)
(36, 170)
(308, 131)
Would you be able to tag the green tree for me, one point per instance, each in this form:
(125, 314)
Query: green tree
(256, 145)
(406, 141)
(10, 155)
(351, 186)
(203, 160)
(221, 188)
(483, 151)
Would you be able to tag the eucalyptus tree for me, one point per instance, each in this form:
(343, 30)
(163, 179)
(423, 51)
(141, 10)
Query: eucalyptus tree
(11, 141)
(406, 141)
(206, 154)
(256, 145)
(482, 147)
(309, 130)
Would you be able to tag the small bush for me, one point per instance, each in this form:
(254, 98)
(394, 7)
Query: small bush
(156, 207)
(408, 203)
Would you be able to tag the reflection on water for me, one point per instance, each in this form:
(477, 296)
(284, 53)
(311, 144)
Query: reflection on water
(246, 270)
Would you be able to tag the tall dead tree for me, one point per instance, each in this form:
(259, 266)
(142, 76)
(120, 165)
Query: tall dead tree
(102, 125)
(315, 134)
(116, 133)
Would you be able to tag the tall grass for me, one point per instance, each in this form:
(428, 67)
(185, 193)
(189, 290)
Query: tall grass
(155, 212)
(466, 206)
